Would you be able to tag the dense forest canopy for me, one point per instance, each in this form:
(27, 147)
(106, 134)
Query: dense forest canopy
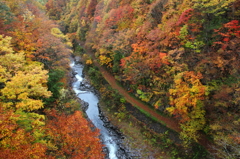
(179, 56)
(39, 117)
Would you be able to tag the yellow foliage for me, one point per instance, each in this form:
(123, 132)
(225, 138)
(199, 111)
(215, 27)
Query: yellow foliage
(12, 63)
(186, 101)
(105, 60)
(103, 51)
(23, 82)
(28, 16)
(157, 104)
(3, 74)
(25, 85)
(213, 6)
(57, 33)
(216, 126)
(23, 89)
(89, 62)
(14, 5)
(5, 44)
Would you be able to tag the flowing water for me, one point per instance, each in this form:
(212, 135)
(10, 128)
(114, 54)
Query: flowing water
(108, 136)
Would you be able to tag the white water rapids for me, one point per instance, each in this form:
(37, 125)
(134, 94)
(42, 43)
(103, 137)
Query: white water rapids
(92, 111)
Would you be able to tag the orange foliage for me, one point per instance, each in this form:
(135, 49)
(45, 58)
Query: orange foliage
(16, 142)
(139, 47)
(162, 57)
(122, 13)
(24, 40)
(73, 136)
(187, 93)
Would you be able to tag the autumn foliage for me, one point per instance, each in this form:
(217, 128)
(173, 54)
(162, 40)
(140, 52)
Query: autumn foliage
(182, 57)
(72, 137)
(186, 103)
(179, 56)
(32, 50)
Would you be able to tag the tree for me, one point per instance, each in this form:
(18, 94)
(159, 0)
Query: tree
(6, 18)
(72, 136)
(186, 101)
(16, 6)
(26, 93)
(22, 87)
(55, 8)
(119, 18)
(17, 142)
(213, 6)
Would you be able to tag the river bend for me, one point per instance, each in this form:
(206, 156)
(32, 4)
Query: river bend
(109, 138)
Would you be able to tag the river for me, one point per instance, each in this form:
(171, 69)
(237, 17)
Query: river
(109, 136)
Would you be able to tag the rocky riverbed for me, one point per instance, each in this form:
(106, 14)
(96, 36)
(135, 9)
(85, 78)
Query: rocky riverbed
(111, 137)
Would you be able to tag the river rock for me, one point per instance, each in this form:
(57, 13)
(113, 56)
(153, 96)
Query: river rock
(106, 152)
(77, 59)
(84, 105)
(115, 136)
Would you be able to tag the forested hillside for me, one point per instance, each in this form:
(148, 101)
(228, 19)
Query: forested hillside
(39, 116)
(180, 56)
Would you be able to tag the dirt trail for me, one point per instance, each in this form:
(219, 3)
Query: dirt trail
(170, 122)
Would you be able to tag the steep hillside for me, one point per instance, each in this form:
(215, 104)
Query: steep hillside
(180, 56)
(39, 116)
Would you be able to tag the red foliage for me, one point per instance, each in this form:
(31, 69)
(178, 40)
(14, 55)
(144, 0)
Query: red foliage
(157, 61)
(185, 16)
(228, 32)
(115, 15)
(233, 27)
(4, 27)
(98, 19)
(122, 62)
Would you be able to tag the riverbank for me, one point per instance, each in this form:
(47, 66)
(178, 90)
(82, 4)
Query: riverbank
(137, 138)
(158, 139)
(133, 141)
(110, 138)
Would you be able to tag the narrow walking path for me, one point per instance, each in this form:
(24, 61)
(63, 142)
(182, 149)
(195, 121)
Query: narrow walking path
(170, 122)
